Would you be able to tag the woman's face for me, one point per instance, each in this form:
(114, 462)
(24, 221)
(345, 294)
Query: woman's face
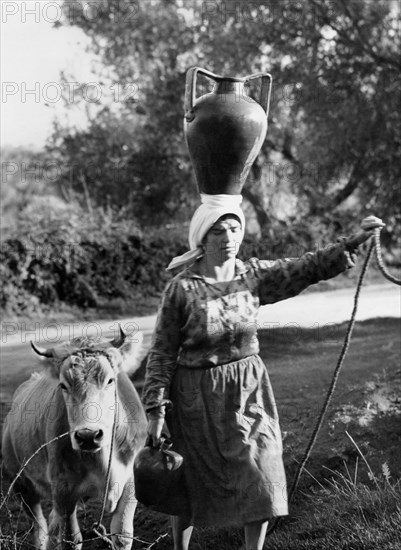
(223, 239)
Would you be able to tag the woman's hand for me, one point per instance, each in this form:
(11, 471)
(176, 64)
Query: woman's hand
(368, 226)
(370, 223)
(155, 427)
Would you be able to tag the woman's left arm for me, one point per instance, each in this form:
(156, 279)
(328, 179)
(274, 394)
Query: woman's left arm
(283, 279)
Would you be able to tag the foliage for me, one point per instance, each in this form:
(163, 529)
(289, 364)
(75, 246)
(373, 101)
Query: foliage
(109, 167)
(22, 179)
(65, 255)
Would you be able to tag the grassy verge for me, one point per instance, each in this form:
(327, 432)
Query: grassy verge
(343, 514)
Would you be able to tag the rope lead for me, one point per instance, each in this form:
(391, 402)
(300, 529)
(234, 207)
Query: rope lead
(375, 244)
(98, 527)
(379, 259)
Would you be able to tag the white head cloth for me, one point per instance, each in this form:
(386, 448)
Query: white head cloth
(212, 208)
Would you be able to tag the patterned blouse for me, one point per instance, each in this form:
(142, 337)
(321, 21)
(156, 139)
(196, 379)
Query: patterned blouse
(202, 324)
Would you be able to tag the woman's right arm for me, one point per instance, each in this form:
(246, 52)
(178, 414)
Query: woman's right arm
(162, 358)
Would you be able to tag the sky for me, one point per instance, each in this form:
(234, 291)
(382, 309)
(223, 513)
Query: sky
(33, 54)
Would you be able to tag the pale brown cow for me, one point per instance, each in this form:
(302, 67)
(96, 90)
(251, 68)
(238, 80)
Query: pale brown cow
(83, 390)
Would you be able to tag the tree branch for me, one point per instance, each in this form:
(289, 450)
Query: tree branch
(257, 204)
(366, 46)
(351, 185)
(363, 42)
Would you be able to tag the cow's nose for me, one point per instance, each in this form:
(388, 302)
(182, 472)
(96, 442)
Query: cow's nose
(88, 439)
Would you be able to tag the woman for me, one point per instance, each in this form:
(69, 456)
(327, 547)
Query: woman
(204, 360)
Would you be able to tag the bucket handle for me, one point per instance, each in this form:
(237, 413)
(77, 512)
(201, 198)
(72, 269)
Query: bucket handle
(190, 88)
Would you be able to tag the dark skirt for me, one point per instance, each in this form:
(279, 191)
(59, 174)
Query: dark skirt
(224, 422)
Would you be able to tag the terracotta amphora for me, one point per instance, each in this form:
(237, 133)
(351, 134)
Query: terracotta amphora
(224, 130)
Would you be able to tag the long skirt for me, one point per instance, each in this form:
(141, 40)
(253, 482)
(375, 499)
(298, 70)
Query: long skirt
(224, 422)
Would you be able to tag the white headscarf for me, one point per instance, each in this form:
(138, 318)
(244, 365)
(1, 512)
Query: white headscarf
(212, 208)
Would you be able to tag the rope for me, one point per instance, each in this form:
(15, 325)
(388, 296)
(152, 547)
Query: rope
(379, 258)
(332, 387)
(98, 528)
(336, 373)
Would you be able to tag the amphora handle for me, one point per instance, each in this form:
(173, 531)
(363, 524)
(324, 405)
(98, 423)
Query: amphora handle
(190, 88)
(265, 92)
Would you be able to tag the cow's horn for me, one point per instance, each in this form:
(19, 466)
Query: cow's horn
(119, 341)
(43, 352)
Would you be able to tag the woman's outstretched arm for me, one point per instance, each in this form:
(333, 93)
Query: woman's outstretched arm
(282, 279)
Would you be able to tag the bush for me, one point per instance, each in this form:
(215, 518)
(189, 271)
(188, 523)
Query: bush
(67, 255)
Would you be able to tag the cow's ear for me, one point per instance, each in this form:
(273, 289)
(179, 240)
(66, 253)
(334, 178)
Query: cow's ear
(52, 365)
(131, 352)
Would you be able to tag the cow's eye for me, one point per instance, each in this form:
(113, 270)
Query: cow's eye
(111, 380)
(63, 386)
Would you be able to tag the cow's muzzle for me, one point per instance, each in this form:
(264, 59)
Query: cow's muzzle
(89, 440)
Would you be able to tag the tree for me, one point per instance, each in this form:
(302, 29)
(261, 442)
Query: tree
(349, 105)
(25, 174)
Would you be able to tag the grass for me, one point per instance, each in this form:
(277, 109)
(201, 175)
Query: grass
(344, 513)
(350, 496)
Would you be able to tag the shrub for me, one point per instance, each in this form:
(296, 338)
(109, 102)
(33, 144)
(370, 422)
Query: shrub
(66, 255)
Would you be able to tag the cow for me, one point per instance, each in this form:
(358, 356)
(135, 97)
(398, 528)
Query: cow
(83, 392)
